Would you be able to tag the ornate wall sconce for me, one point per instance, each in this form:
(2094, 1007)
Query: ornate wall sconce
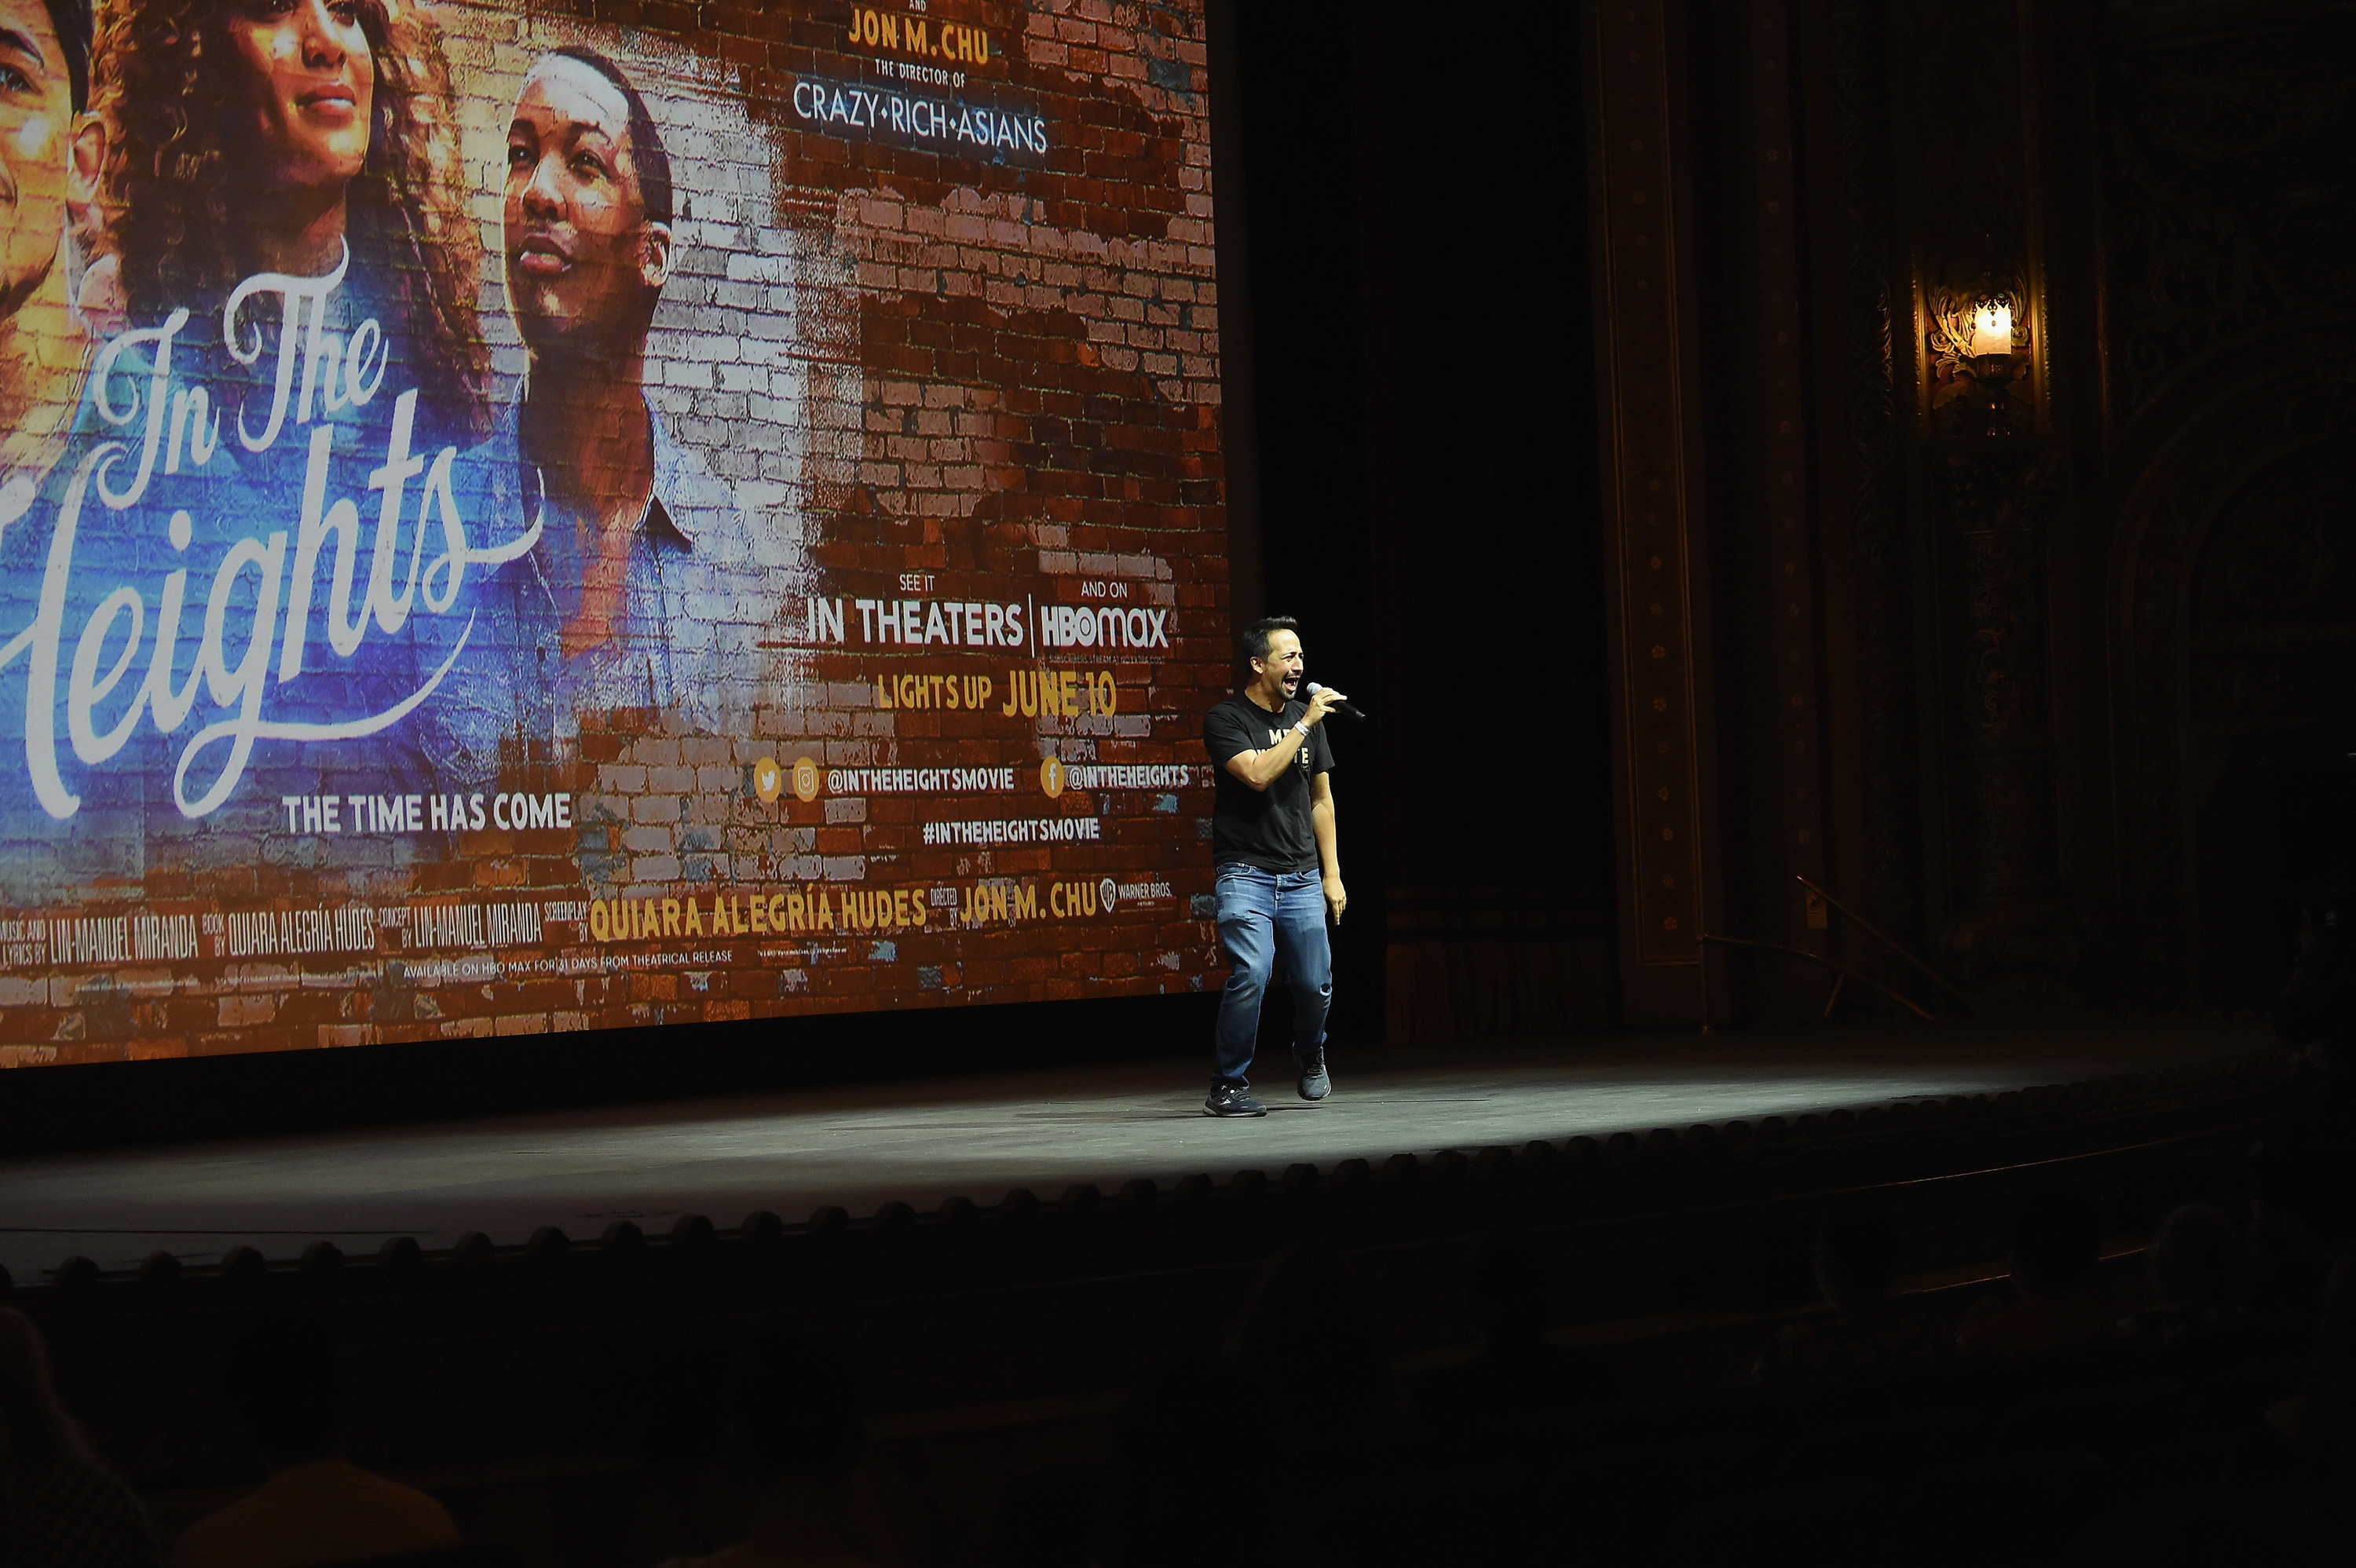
(1979, 363)
(1991, 492)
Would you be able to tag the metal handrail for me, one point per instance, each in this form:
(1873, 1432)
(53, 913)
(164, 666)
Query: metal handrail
(1887, 941)
(1843, 970)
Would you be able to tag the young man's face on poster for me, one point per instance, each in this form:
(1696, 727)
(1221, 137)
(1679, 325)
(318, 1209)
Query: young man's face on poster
(310, 80)
(36, 138)
(581, 260)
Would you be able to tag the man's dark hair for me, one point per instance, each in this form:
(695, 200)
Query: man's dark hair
(648, 156)
(1256, 635)
(72, 21)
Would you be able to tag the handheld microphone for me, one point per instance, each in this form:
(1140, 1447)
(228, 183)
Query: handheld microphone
(1346, 709)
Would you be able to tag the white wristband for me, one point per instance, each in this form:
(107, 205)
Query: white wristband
(1303, 726)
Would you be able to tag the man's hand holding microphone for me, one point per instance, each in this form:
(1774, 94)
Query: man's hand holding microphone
(1324, 701)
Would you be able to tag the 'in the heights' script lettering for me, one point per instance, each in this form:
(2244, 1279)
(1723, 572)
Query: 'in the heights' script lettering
(181, 430)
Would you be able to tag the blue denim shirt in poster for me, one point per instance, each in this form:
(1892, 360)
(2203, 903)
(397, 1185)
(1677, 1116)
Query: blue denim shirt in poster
(696, 602)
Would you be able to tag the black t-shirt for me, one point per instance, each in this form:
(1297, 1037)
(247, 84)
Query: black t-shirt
(1268, 828)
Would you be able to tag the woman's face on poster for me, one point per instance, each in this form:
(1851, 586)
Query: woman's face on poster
(311, 85)
(36, 124)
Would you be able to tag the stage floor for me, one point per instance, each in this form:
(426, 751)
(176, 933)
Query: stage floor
(923, 1142)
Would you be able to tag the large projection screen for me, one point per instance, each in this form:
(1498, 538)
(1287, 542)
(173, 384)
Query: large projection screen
(510, 524)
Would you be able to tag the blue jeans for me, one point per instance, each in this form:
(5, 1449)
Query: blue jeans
(1265, 916)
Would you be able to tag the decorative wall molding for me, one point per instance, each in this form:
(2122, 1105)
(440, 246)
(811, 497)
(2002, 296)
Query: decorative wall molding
(1993, 482)
(1889, 788)
(1656, 570)
(2227, 175)
(1780, 502)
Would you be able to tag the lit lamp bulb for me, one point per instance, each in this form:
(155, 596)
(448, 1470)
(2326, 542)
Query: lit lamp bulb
(1992, 329)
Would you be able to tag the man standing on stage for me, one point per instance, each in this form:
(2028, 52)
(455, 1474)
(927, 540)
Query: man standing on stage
(1280, 875)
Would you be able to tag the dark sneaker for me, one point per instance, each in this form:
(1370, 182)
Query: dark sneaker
(1314, 1083)
(1231, 1100)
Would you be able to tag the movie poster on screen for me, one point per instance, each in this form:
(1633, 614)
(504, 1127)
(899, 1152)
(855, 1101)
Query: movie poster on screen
(509, 524)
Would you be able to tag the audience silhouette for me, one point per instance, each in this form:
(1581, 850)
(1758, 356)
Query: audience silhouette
(1303, 1379)
(60, 1506)
(2056, 1244)
(316, 1507)
(796, 1428)
(1870, 1333)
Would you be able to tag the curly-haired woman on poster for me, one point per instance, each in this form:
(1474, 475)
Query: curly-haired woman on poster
(46, 155)
(254, 136)
(286, 230)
